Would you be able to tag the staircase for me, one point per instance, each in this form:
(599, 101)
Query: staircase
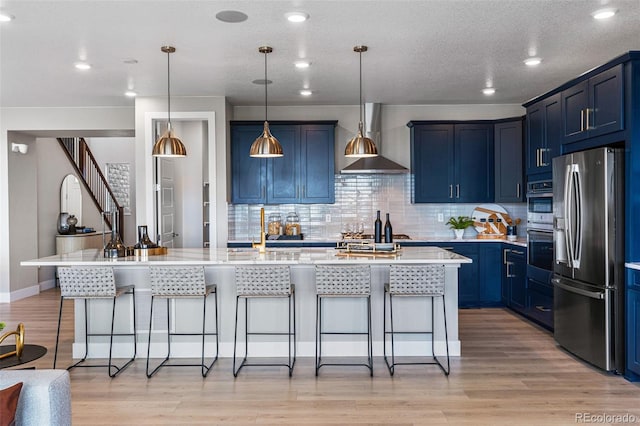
(87, 168)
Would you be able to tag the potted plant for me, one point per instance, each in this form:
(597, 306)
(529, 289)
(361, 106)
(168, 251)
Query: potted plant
(459, 224)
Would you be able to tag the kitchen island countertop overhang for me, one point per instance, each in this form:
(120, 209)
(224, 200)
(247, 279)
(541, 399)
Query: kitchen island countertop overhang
(219, 269)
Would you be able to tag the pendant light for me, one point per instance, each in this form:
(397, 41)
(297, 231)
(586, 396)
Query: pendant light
(168, 145)
(266, 145)
(360, 145)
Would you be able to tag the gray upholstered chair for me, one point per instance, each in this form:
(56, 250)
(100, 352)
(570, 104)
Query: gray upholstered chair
(93, 283)
(342, 281)
(255, 282)
(45, 398)
(415, 281)
(182, 282)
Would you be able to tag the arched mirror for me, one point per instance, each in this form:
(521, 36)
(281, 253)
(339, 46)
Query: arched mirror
(71, 197)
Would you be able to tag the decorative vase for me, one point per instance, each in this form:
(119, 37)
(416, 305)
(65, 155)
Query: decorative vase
(459, 233)
(72, 221)
(63, 226)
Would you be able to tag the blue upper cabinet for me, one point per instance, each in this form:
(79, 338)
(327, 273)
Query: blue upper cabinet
(432, 163)
(594, 107)
(544, 132)
(249, 175)
(452, 163)
(304, 175)
(509, 176)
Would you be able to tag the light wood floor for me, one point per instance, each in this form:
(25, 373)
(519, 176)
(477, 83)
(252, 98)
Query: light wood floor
(511, 372)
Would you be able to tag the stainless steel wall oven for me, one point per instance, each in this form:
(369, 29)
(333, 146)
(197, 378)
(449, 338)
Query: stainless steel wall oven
(540, 224)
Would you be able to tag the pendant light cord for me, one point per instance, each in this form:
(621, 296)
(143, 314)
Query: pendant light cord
(360, 53)
(265, 85)
(168, 94)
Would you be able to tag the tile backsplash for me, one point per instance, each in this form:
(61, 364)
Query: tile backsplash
(357, 199)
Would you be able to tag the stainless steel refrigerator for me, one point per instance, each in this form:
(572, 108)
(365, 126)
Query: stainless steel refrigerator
(588, 243)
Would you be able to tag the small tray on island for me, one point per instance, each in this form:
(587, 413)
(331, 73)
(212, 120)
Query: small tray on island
(367, 248)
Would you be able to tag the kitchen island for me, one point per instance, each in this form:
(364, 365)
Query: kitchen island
(343, 314)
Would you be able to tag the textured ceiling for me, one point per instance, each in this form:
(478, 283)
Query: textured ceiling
(420, 52)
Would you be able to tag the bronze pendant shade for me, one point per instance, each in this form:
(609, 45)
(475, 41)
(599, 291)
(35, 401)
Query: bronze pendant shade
(169, 145)
(266, 145)
(360, 146)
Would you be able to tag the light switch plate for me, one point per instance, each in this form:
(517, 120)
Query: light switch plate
(440, 217)
(327, 217)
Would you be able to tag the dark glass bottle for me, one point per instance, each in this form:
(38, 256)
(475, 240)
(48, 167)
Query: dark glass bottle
(388, 231)
(377, 229)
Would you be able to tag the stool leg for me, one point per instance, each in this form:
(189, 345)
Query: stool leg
(369, 337)
(246, 327)
(55, 353)
(235, 340)
(135, 332)
(135, 347)
(446, 337)
(215, 300)
(168, 329)
(204, 323)
(289, 338)
(149, 340)
(113, 316)
(392, 369)
(317, 330)
(294, 330)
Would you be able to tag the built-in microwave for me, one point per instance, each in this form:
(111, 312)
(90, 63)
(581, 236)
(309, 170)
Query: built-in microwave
(540, 206)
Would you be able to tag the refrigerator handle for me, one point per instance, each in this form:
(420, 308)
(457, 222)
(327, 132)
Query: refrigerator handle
(577, 179)
(592, 294)
(567, 215)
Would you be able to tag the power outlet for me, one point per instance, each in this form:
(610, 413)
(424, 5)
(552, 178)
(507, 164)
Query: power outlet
(440, 217)
(327, 217)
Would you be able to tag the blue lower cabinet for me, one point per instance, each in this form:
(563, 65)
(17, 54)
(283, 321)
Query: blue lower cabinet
(490, 277)
(540, 303)
(633, 334)
(468, 275)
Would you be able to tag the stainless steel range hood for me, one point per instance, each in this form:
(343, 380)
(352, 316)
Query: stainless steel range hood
(379, 164)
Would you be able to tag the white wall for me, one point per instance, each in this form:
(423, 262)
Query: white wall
(395, 133)
(114, 150)
(188, 109)
(19, 202)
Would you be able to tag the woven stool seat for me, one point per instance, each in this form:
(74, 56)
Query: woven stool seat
(263, 281)
(342, 281)
(94, 283)
(182, 282)
(414, 281)
(254, 282)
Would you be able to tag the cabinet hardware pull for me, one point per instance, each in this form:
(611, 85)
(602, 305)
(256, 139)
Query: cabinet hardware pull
(450, 191)
(504, 255)
(537, 157)
(297, 187)
(582, 120)
(262, 192)
(542, 151)
(517, 190)
(586, 112)
(542, 308)
(518, 252)
(304, 190)
(457, 190)
(509, 274)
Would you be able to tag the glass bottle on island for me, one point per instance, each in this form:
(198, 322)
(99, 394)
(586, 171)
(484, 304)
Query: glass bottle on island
(377, 229)
(388, 231)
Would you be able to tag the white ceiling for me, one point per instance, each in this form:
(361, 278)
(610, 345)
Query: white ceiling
(420, 51)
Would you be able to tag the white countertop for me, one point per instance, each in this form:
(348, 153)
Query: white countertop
(633, 265)
(223, 256)
(520, 241)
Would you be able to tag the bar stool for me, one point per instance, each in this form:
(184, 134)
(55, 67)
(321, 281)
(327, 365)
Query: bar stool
(342, 281)
(265, 282)
(182, 282)
(414, 281)
(94, 283)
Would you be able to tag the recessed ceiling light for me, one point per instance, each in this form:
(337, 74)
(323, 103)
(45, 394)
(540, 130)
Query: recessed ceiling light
(303, 64)
(4, 17)
(306, 92)
(82, 66)
(297, 16)
(488, 91)
(604, 13)
(262, 81)
(231, 16)
(130, 61)
(532, 62)
(130, 94)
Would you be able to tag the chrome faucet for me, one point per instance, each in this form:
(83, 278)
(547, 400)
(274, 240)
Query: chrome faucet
(262, 245)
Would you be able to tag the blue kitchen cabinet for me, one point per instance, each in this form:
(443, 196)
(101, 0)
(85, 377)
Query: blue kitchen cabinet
(544, 130)
(509, 169)
(594, 106)
(248, 174)
(514, 278)
(304, 175)
(432, 163)
(468, 274)
(633, 324)
(490, 278)
(452, 163)
(539, 305)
